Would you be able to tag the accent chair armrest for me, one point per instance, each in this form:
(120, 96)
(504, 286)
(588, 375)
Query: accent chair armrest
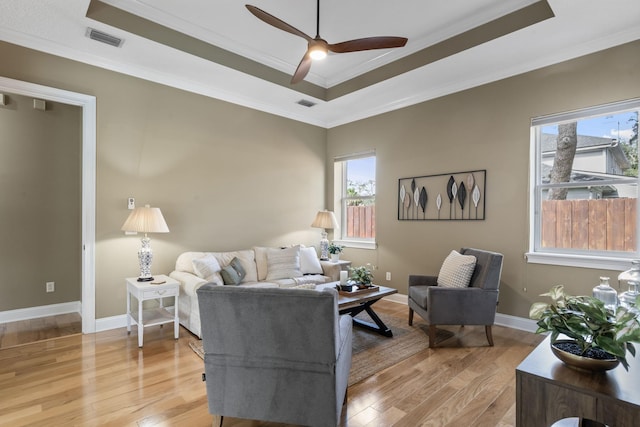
(420, 280)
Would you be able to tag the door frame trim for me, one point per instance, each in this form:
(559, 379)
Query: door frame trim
(88, 105)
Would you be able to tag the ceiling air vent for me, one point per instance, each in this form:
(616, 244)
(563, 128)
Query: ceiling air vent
(99, 36)
(306, 103)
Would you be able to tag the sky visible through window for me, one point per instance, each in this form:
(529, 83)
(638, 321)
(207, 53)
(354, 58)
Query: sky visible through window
(609, 126)
(362, 170)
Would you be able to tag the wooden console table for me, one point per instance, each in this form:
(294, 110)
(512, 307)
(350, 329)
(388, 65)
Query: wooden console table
(548, 391)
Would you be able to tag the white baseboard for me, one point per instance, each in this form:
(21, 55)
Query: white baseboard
(113, 322)
(507, 320)
(515, 322)
(40, 311)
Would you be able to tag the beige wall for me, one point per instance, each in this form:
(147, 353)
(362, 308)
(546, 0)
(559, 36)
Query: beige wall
(482, 128)
(228, 177)
(225, 177)
(40, 166)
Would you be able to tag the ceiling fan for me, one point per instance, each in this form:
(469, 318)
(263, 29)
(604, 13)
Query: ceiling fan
(318, 47)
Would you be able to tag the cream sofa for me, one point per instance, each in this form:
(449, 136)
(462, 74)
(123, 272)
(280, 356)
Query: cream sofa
(263, 267)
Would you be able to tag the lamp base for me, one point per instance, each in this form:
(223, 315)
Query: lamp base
(145, 279)
(324, 246)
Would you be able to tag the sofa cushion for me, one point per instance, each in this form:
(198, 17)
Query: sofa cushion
(185, 261)
(283, 263)
(261, 261)
(456, 270)
(309, 262)
(247, 260)
(233, 273)
(206, 267)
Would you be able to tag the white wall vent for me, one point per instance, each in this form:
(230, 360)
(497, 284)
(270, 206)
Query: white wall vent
(104, 37)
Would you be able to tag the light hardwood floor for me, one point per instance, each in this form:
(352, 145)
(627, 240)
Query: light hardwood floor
(103, 379)
(44, 328)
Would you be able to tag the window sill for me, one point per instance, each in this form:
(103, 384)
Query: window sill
(582, 261)
(357, 244)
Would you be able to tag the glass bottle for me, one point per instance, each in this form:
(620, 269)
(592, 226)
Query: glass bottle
(632, 277)
(605, 293)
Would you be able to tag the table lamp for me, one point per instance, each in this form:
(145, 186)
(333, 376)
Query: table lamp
(325, 220)
(145, 220)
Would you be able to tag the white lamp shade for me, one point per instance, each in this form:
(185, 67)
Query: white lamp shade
(146, 220)
(325, 219)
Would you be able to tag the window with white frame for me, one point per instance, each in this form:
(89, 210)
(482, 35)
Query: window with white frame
(584, 187)
(355, 195)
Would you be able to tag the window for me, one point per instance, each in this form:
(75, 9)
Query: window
(355, 190)
(584, 187)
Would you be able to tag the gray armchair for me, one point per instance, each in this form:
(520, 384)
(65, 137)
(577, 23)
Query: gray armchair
(475, 305)
(278, 355)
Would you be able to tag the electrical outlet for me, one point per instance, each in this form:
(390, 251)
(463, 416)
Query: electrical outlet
(388, 275)
(51, 286)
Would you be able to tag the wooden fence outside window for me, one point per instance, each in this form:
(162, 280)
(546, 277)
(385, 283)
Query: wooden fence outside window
(604, 224)
(361, 222)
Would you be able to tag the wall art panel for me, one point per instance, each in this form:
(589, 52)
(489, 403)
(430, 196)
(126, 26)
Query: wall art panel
(447, 196)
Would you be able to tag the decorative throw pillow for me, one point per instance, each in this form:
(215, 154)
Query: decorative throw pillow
(233, 273)
(456, 270)
(206, 266)
(309, 262)
(283, 263)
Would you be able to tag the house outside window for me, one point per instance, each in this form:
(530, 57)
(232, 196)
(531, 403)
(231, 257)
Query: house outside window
(584, 187)
(355, 195)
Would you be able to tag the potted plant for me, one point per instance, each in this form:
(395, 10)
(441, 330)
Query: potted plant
(598, 338)
(362, 275)
(335, 250)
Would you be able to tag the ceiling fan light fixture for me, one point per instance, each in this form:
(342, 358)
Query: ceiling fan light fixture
(318, 52)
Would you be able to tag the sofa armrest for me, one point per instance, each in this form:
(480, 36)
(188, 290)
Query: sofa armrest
(420, 280)
(331, 269)
(189, 283)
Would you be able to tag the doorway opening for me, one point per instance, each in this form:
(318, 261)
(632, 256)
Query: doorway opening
(87, 103)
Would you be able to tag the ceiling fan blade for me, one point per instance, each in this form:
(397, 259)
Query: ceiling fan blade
(276, 22)
(303, 69)
(368, 43)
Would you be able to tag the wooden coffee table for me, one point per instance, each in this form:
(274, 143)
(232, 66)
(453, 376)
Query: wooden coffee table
(547, 390)
(357, 302)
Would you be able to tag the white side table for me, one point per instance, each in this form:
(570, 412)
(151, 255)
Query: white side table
(143, 291)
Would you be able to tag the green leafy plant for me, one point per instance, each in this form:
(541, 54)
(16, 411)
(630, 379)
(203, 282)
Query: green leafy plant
(586, 320)
(335, 249)
(361, 274)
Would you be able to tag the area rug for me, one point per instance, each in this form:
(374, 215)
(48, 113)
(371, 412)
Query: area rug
(372, 352)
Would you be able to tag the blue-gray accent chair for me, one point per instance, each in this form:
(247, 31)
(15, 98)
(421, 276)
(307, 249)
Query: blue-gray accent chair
(278, 355)
(475, 305)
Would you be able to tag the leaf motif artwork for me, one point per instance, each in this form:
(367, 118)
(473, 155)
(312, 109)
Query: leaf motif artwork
(413, 189)
(454, 192)
(462, 189)
(475, 196)
(462, 197)
(471, 181)
(450, 185)
(423, 200)
(407, 204)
